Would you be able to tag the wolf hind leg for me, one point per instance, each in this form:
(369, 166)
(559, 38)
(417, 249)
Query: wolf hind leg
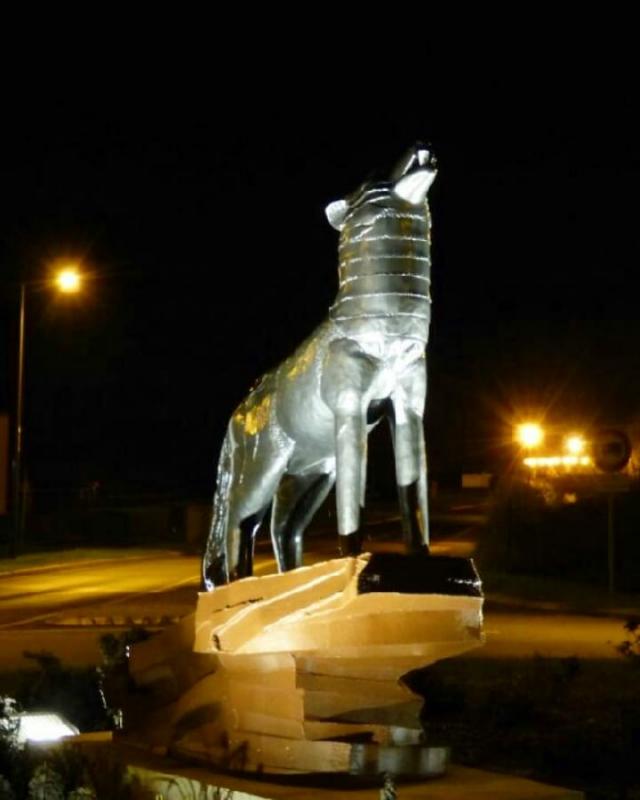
(249, 502)
(296, 501)
(248, 530)
(214, 559)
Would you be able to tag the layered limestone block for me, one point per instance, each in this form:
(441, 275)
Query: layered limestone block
(301, 671)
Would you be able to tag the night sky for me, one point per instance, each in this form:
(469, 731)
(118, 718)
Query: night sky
(196, 206)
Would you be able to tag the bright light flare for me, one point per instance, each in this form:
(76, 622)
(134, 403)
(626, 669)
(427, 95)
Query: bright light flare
(529, 434)
(575, 444)
(68, 280)
(557, 461)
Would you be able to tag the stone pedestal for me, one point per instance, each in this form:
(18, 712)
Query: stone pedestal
(301, 672)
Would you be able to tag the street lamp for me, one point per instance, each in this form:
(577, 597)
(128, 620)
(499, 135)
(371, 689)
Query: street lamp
(68, 280)
(575, 444)
(529, 435)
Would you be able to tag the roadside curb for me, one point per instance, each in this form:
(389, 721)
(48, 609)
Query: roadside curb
(113, 621)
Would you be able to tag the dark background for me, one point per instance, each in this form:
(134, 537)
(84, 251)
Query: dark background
(192, 188)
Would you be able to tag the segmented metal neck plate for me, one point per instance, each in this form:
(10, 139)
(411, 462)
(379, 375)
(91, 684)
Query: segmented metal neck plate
(385, 260)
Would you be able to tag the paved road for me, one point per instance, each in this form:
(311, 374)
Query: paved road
(511, 634)
(30, 597)
(163, 585)
(35, 605)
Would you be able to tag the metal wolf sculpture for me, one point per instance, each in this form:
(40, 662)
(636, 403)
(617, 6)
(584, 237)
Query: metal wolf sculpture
(304, 426)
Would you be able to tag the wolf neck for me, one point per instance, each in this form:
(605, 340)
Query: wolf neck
(384, 271)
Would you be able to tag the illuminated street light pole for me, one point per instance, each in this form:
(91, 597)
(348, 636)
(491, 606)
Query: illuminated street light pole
(67, 281)
(17, 461)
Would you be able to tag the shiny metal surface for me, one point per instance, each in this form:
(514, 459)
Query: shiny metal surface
(304, 426)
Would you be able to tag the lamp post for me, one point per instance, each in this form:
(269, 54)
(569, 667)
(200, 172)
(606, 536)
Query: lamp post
(67, 281)
(17, 459)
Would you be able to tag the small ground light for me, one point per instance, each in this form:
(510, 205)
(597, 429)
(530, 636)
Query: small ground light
(43, 726)
(529, 434)
(574, 444)
(68, 280)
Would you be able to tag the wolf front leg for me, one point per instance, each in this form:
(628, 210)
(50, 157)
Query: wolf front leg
(410, 455)
(347, 375)
(351, 455)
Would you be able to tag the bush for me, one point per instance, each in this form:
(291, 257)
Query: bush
(528, 535)
(561, 721)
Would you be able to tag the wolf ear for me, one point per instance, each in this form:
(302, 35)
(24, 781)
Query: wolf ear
(336, 213)
(414, 187)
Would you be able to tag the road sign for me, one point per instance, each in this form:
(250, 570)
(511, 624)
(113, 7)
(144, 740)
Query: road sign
(611, 450)
(611, 454)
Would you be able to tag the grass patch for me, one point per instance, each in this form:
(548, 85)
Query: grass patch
(564, 721)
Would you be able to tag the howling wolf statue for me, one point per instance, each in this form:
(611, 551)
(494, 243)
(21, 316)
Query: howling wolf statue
(304, 426)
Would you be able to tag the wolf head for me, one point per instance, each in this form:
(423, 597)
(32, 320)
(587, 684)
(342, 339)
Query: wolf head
(408, 182)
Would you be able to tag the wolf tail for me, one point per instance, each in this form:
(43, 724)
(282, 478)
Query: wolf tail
(215, 569)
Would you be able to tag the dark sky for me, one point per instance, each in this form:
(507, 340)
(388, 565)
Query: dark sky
(196, 205)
